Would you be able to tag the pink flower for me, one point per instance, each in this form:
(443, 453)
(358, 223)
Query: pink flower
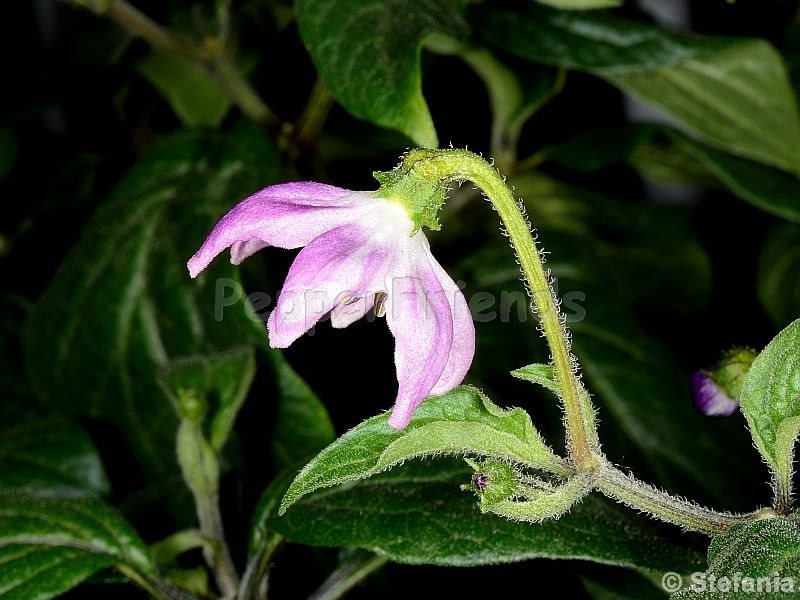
(360, 253)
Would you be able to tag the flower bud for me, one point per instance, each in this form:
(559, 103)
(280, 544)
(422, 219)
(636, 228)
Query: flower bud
(716, 391)
(493, 481)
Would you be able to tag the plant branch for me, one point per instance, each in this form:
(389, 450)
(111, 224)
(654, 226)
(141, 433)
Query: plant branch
(309, 125)
(211, 54)
(627, 489)
(200, 469)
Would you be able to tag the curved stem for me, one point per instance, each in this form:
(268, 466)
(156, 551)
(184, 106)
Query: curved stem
(446, 166)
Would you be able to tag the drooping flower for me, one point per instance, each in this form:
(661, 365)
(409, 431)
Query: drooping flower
(716, 391)
(360, 253)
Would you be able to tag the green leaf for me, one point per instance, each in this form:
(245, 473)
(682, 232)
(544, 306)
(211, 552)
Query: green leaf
(581, 4)
(734, 94)
(50, 457)
(682, 159)
(222, 379)
(770, 400)
(765, 188)
(758, 548)
(779, 274)
(122, 307)
(761, 548)
(417, 514)
(589, 42)
(266, 509)
(196, 96)
(302, 424)
(737, 98)
(368, 52)
(463, 421)
(544, 375)
(49, 545)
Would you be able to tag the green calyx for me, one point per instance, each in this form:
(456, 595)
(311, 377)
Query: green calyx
(421, 196)
(732, 369)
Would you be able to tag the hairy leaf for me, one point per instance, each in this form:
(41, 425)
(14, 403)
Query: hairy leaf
(460, 422)
(770, 400)
(417, 514)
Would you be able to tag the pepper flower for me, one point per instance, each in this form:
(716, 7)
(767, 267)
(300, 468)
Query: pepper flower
(360, 253)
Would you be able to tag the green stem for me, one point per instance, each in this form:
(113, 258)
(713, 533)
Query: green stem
(309, 125)
(157, 589)
(626, 489)
(211, 525)
(348, 574)
(140, 25)
(211, 55)
(242, 93)
(200, 469)
(424, 174)
(255, 580)
(447, 166)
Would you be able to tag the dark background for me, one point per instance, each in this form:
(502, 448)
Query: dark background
(81, 116)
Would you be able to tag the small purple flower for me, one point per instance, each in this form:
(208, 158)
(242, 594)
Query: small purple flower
(709, 398)
(360, 253)
(480, 481)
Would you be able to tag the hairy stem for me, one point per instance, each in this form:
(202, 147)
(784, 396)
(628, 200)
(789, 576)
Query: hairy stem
(627, 489)
(219, 557)
(200, 469)
(446, 166)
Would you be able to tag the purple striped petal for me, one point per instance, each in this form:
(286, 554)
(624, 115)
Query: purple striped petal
(335, 266)
(288, 215)
(462, 350)
(709, 398)
(420, 318)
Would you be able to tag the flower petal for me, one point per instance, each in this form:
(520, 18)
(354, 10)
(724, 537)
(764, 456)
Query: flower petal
(709, 398)
(421, 320)
(348, 311)
(462, 350)
(334, 266)
(288, 215)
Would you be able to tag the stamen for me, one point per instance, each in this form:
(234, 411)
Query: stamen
(348, 300)
(380, 304)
